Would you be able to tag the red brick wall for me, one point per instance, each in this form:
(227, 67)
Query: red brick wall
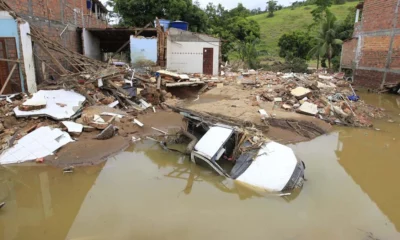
(395, 61)
(378, 14)
(57, 10)
(349, 53)
(374, 51)
(368, 78)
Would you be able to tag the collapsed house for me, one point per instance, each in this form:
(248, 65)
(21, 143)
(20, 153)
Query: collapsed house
(28, 63)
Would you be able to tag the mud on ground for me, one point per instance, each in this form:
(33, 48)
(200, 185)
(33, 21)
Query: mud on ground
(89, 151)
(235, 102)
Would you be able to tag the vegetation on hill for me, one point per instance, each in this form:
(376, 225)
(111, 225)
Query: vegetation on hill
(288, 20)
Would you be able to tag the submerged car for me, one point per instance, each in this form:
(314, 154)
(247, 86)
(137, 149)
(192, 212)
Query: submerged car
(255, 162)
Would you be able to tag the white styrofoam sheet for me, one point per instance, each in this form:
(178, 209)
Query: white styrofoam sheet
(37, 144)
(72, 100)
(212, 141)
(272, 168)
(73, 126)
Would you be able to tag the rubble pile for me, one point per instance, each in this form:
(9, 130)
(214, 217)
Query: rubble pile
(328, 97)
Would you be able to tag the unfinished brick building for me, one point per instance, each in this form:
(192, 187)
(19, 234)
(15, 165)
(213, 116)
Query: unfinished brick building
(58, 20)
(374, 51)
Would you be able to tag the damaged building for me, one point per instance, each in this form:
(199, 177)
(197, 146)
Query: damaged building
(58, 21)
(64, 28)
(374, 51)
(192, 52)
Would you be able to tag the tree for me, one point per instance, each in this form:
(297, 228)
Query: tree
(271, 7)
(248, 52)
(345, 29)
(327, 38)
(231, 26)
(295, 44)
(239, 11)
(322, 6)
(140, 12)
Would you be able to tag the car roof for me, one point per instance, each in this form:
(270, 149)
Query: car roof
(213, 140)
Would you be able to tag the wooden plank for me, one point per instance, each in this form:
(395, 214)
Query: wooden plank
(11, 60)
(59, 65)
(8, 78)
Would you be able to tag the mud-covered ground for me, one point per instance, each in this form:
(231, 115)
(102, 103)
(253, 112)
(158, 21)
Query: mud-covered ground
(234, 102)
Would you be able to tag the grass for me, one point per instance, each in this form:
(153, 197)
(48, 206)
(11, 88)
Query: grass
(287, 20)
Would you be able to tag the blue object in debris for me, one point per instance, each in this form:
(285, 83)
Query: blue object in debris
(354, 98)
(180, 25)
(157, 74)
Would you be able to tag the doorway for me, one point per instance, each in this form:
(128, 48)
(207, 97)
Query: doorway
(208, 57)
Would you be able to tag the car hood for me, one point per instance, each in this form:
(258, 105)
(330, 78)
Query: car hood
(272, 168)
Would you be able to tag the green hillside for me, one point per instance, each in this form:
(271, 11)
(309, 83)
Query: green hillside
(287, 20)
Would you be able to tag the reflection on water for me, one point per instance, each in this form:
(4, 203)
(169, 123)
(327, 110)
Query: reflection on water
(147, 193)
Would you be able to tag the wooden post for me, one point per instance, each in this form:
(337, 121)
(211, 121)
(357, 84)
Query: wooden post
(8, 78)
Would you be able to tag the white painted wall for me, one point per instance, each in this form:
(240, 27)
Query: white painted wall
(187, 57)
(27, 53)
(91, 45)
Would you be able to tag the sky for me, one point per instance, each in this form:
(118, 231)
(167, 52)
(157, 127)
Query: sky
(250, 4)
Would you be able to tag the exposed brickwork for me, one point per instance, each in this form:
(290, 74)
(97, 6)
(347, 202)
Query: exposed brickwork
(52, 17)
(395, 61)
(349, 52)
(378, 14)
(392, 78)
(368, 78)
(374, 51)
(379, 21)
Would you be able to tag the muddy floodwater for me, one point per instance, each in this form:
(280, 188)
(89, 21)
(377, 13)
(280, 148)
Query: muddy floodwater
(351, 193)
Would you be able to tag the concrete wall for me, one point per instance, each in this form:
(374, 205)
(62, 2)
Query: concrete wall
(143, 49)
(91, 45)
(187, 57)
(29, 65)
(9, 29)
(349, 53)
(377, 52)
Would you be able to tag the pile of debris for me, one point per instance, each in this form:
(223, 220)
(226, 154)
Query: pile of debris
(328, 97)
(173, 79)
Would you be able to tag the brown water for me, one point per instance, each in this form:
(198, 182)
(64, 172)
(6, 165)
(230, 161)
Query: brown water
(146, 193)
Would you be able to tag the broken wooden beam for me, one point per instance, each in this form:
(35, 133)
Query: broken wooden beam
(8, 78)
(10, 60)
(59, 65)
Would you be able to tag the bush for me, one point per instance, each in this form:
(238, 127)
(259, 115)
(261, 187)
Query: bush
(336, 63)
(296, 65)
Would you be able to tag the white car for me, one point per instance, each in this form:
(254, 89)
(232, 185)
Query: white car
(271, 167)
